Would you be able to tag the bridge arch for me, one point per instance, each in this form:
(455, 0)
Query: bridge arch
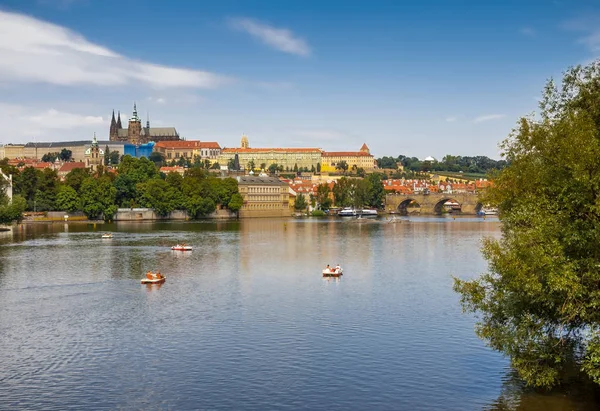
(449, 204)
(409, 206)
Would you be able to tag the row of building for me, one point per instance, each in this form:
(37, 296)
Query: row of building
(139, 141)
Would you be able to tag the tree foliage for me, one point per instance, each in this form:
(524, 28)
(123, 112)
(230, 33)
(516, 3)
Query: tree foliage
(11, 211)
(67, 199)
(300, 203)
(539, 303)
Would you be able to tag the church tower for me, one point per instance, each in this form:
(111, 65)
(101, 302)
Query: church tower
(94, 155)
(244, 143)
(113, 134)
(134, 132)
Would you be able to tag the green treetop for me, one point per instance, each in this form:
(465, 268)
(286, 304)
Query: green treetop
(539, 302)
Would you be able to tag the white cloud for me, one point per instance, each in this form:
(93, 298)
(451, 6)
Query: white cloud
(488, 117)
(37, 51)
(23, 124)
(277, 38)
(60, 120)
(450, 119)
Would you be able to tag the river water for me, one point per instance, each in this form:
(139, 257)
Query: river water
(245, 321)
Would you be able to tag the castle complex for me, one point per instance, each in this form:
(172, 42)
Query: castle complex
(139, 141)
(136, 134)
(297, 158)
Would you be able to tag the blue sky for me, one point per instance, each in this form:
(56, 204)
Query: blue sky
(418, 78)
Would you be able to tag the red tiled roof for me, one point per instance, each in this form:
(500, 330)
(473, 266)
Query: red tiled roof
(68, 167)
(345, 154)
(188, 144)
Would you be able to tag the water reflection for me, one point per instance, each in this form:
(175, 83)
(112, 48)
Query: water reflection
(246, 320)
(580, 396)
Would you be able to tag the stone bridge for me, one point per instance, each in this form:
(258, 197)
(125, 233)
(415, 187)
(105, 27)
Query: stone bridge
(432, 203)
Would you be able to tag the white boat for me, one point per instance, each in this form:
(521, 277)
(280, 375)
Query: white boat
(333, 272)
(351, 212)
(181, 247)
(488, 211)
(107, 235)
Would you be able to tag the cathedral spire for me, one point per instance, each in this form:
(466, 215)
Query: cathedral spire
(119, 125)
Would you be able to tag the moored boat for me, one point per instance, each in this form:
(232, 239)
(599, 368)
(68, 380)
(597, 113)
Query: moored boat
(351, 212)
(107, 235)
(181, 247)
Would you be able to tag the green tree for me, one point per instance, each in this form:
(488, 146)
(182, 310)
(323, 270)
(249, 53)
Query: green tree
(376, 192)
(76, 176)
(67, 199)
(98, 197)
(342, 192)
(49, 157)
(114, 158)
(318, 167)
(236, 202)
(323, 196)
(139, 169)
(342, 165)
(158, 195)
(215, 166)
(300, 203)
(157, 158)
(251, 165)
(538, 304)
(25, 185)
(263, 166)
(12, 211)
(65, 155)
(126, 191)
(273, 168)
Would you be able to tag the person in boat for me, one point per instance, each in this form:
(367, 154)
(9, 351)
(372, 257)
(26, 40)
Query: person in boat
(337, 268)
(158, 275)
(150, 275)
(328, 268)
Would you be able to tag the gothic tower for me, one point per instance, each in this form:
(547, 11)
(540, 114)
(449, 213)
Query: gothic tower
(134, 132)
(114, 131)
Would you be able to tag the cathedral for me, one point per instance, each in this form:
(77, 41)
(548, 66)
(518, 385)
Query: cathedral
(136, 134)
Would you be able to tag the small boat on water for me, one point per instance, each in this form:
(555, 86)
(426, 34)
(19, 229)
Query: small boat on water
(107, 235)
(488, 211)
(152, 278)
(333, 272)
(181, 247)
(351, 212)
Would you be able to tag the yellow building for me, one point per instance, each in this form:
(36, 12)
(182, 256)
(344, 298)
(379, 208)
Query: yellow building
(355, 159)
(263, 196)
(288, 158)
(12, 151)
